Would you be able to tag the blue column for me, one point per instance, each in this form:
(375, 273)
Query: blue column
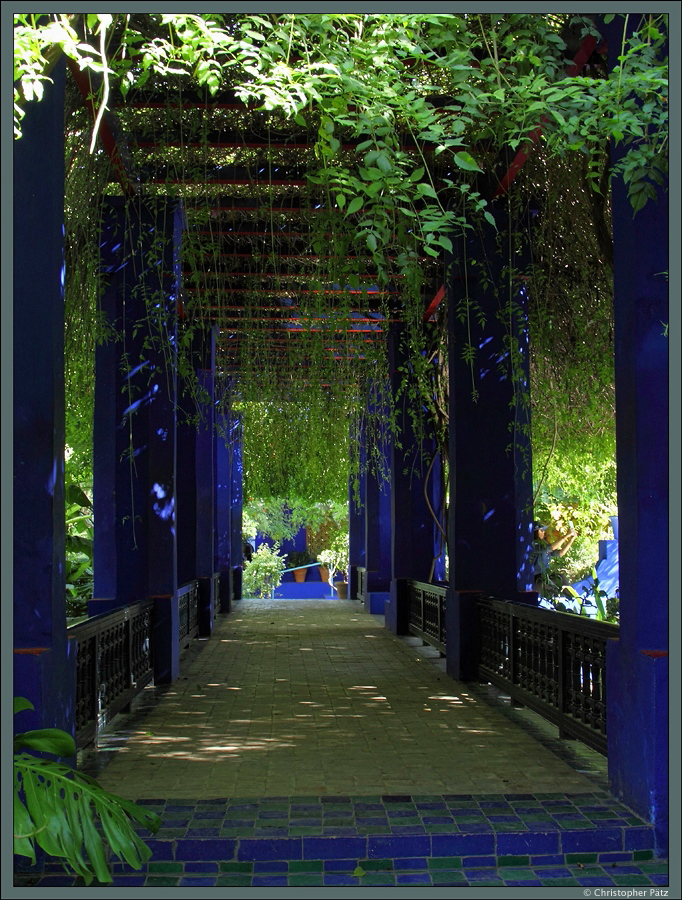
(223, 501)
(206, 488)
(412, 545)
(637, 664)
(237, 495)
(378, 508)
(356, 517)
(490, 520)
(44, 669)
(134, 484)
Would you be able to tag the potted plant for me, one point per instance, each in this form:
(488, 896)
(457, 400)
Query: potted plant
(298, 560)
(336, 558)
(263, 573)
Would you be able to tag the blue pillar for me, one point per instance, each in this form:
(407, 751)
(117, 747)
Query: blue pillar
(637, 664)
(490, 522)
(44, 670)
(356, 516)
(223, 501)
(134, 484)
(378, 507)
(206, 488)
(237, 499)
(412, 544)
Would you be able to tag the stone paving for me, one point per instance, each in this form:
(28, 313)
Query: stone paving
(304, 745)
(316, 697)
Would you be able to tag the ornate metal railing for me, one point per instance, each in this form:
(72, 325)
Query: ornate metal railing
(427, 612)
(551, 662)
(362, 583)
(188, 611)
(113, 664)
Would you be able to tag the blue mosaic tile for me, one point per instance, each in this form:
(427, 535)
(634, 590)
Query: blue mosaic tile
(196, 881)
(558, 872)
(335, 848)
(595, 881)
(216, 849)
(522, 882)
(583, 841)
(659, 879)
(526, 844)
(340, 865)
(410, 863)
(390, 847)
(251, 849)
(462, 844)
(479, 862)
(639, 839)
(552, 859)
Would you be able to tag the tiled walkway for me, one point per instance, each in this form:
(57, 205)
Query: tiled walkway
(306, 745)
(315, 697)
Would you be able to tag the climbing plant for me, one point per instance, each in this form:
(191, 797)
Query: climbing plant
(394, 123)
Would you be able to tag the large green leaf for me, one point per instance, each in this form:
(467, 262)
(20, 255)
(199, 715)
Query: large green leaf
(56, 807)
(46, 740)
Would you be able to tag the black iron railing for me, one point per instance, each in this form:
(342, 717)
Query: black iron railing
(427, 612)
(188, 611)
(113, 664)
(362, 583)
(551, 662)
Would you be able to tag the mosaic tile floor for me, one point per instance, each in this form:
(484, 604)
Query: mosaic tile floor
(316, 701)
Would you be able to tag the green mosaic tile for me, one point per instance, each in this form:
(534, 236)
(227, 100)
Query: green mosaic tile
(162, 881)
(166, 834)
(516, 872)
(503, 861)
(272, 823)
(206, 823)
(376, 864)
(507, 826)
(237, 832)
(581, 858)
(463, 820)
(333, 820)
(643, 854)
(305, 865)
(372, 829)
(233, 881)
(597, 816)
(378, 878)
(407, 820)
(446, 828)
(560, 882)
(573, 824)
(653, 868)
(441, 876)
(445, 862)
(426, 798)
(238, 867)
(306, 880)
(633, 820)
(630, 879)
(165, 867)
(536, 817)
(298, 830)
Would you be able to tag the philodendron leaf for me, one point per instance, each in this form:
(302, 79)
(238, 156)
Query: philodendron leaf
(59, 815)
(20, 704)
(46, 740)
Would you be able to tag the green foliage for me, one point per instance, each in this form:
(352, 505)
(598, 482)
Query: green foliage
(79, 550)
(264, 572)
(405, 113)
(336, 557)
(56, 807)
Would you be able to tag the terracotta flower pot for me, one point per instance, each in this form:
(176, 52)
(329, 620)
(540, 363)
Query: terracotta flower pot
(299, 575)
(341, 589)
(324, 573)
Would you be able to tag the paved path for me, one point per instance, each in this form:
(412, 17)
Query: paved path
(316, 697)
